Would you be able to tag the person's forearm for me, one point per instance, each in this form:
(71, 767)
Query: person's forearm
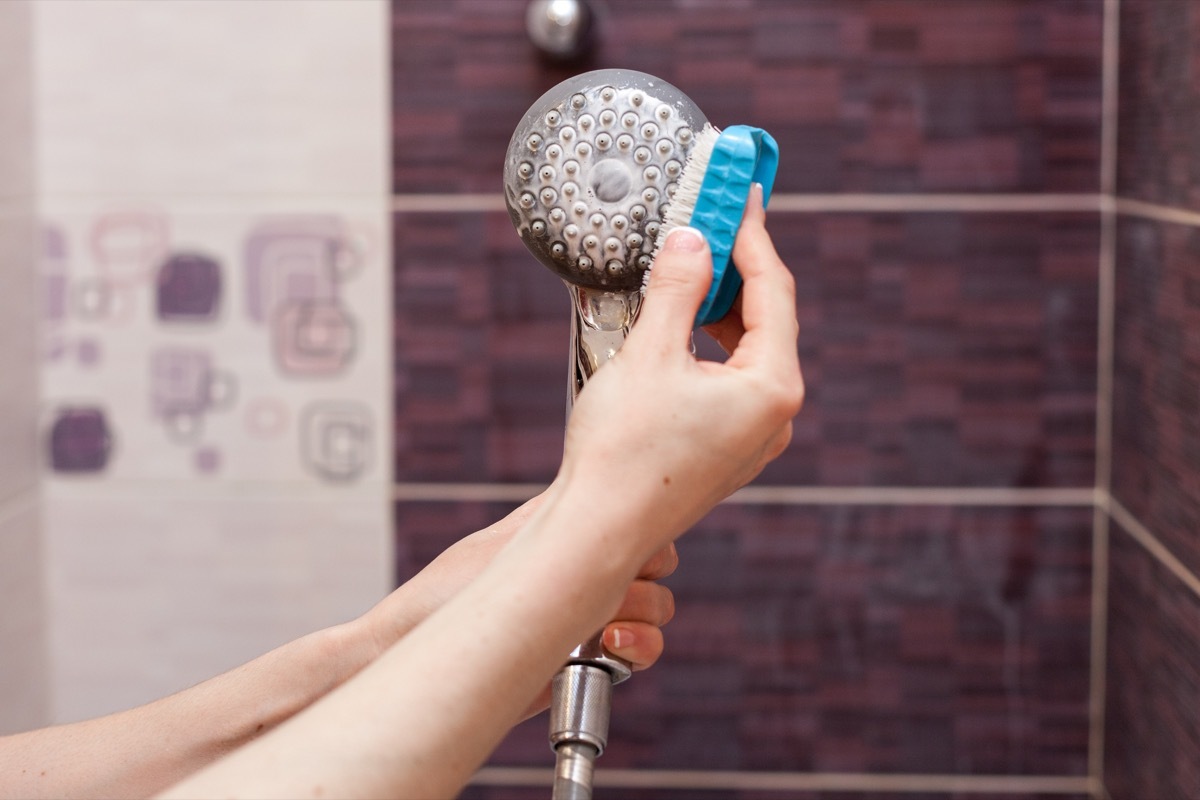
(139, 752)
(425, 715)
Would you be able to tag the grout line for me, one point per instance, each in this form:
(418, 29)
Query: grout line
(1098, 658)
(796, 781)
(1142, 535)
(1000, 202)
(1105, 356)
(1004, 203)
(55, 487)
(1109, 95)
(1156, 211)
(439, 203)
(465, 492)
(1105, 347)
(782, 495)
(936, 496)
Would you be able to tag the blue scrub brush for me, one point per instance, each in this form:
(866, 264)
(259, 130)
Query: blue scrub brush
(711, 197)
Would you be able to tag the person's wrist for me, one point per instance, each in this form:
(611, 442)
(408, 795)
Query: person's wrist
(610, 513)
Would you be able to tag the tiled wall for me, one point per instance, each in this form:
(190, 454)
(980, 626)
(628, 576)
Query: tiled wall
(1153, 732)
(214, 270)
(908, 596)
(909, 592)
(23, 685)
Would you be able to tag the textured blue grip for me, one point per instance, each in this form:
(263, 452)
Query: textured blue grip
(742, 155)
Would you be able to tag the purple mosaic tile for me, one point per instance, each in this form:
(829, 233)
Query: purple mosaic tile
(943, 349)
(1153, 678)
(938, 350)
(1156, 392)
(916, 640)
(863, 96)
(1159, 105)
(481, 338)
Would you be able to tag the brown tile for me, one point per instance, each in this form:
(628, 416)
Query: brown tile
(1159, 104)
(1156, 397)
(1153, 678)
(863, 96)
(925, 640)
(938, 350)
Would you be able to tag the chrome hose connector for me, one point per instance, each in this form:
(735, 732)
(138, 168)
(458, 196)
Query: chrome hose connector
(580, 700)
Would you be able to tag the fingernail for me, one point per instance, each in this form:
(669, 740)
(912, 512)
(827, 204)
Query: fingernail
(684, 240)
(757, 195)
(621, 637)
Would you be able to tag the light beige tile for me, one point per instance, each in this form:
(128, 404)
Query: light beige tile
(18, 360)
(153, 589)
(196, 97)
(24, 702)
(16, 101)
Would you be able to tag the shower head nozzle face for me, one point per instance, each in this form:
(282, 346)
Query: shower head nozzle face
(590, 170)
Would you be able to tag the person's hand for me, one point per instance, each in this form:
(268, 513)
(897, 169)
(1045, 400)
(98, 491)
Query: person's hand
(669, 436)
(634, 634)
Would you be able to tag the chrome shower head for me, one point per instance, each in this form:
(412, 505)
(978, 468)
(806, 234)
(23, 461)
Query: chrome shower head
(590, 170)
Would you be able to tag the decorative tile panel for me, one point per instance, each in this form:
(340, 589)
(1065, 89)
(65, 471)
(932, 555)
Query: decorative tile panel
(184, 342)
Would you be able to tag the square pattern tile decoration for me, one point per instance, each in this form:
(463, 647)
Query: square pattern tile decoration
(863, 95)
(1156, 392)
(938, 349)
(1153, 679)
(185, 343)
(1159, 105)
(919, 640)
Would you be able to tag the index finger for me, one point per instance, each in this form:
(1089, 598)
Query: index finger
(768, 296)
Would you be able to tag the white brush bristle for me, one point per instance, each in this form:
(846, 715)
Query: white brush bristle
(687, 193)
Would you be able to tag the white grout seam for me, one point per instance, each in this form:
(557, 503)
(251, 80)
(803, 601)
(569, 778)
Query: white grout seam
(990, 203)
(792, 202)
(1154, 211)
(797, 781)
(1098, 656)
(783, 495)
(1105, 332)
(1151, 543)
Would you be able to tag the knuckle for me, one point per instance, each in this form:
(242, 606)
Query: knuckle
(672, 560)
(674, 272)
(782, 398)
(786, 279)
(668, 606)
(780, 442)
(796, 396)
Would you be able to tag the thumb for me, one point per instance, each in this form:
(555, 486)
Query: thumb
(679, 280)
